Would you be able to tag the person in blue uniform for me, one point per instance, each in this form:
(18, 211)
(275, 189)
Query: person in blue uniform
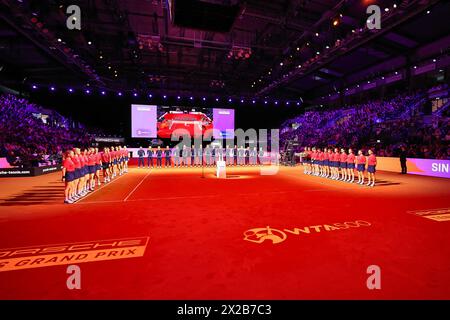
(189, 157)
(176, 156)
(159, 155)
(167, 162)
(198, 156)
(141, 154)
(229, 154)
(149, 157)
(247, 156)
(219, 154)
(235, 154)
(261, 155)
(253, 156)
(207, 153)
(241, 156)
(213, 156)
(185, 155)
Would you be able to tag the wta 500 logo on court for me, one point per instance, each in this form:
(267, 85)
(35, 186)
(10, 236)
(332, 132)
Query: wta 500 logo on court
(260, 235)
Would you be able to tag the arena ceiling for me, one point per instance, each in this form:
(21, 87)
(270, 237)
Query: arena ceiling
(134, 45)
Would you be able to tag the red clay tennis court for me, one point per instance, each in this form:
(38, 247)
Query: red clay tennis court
(198, 244)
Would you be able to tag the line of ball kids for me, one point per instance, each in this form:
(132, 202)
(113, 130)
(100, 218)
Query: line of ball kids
(81, 169)
(199, 156)
(340, 165)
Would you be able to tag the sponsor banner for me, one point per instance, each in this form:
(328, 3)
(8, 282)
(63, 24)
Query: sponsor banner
(73, 253)
(429, 167)
(28, 172)
(109, 139)
(15, 172)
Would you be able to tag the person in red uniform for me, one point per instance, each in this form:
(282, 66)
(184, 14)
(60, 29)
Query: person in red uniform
(330, 163)
(113, 163)
(336, 164)
(351, 166)
(326, 163)
(371, 164)
(126, 156)
(86, 172)
(98, 166)
(360, 166)
(343, 165)
(68, 176)
(78, 174)
(317, 162)
(122, 161)
(321, 164)
(119, 155)
(106, 159)
(91, 169)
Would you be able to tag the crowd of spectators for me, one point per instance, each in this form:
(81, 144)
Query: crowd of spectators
(27, 138)
(384, 126)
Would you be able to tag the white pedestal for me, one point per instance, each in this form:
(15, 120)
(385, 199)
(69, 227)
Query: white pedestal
(221, 171)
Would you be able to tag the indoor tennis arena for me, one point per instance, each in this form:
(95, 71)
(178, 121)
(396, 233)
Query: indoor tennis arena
(224, 150)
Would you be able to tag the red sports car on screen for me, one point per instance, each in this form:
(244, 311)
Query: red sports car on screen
(194, 122)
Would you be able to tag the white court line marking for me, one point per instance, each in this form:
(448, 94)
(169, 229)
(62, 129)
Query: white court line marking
(151, 199)
(104, 185)
(124, 200)
(198, 197)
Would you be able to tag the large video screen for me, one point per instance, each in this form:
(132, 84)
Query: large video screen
(182, 120)
(143, 121)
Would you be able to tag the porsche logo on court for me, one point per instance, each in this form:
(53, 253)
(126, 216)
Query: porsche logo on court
(441, 214)
(62, 254)
(260, 235)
